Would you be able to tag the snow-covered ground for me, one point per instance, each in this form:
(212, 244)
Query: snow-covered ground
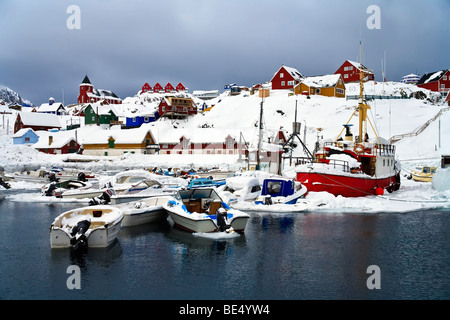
(240, 113)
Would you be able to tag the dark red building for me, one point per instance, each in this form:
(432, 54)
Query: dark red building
(438, 81)
(157, 87)
(169, 88)
(146, 88)
(181, 87)
(350, 72)
(89, 94)
(286, 78)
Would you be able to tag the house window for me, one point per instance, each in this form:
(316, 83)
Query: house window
(230, 143)
(134, 119)
(345, 76)
(282, 83)
(27, 139)
(281, 75)
(186, 143)
(291, 83)
(445, 78)
(111, 144)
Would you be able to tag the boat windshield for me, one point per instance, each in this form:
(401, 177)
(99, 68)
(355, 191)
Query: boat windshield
(198, 194)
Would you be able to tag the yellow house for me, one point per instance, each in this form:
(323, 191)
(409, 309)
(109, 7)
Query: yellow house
(331, 85)
(118, 142)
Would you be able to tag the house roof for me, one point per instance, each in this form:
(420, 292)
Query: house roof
(359, 66)
(86, 80)
(103, 94)
(22, 132)
(329, 80)
(432, 76)
(45, 107)
(40, 119)
(59, 139)
(292, 71)
(126, 136)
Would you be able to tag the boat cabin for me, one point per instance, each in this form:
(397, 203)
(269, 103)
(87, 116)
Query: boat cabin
(278, 187)
(201, 200)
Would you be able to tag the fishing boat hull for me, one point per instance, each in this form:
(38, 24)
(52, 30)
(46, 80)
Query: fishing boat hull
(144, 211)
(206, 224)
(347, 186)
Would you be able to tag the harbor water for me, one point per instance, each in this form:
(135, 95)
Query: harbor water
(281, 256)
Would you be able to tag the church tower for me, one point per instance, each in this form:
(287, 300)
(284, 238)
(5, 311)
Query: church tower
(85, 87)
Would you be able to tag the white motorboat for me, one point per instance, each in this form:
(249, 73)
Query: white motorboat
(143, 211)
(143, 189)
(93, 226)
(71, 189)
(202, 210)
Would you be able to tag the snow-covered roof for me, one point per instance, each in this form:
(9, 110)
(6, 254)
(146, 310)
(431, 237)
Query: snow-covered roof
(433, 76)
(21, 132)
(329, 80)
(40, 119)
(359, 66)
(292, 71)
(136, 135)
(59, 139)
(46, 107)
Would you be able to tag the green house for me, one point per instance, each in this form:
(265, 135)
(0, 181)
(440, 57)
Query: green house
(100, 115)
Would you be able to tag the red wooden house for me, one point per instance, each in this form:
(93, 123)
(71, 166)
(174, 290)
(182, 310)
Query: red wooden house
(146, 88)
(286, 78)
(438, 81)
(157, 87)
(169, 87)
(176, 107)
(350, 72)
(36, 121)
(181, 88)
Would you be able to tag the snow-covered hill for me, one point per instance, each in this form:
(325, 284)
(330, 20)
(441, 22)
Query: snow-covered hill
(9, 97)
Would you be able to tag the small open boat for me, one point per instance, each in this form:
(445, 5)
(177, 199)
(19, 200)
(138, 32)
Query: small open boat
(280, 190)
(94, 226)
(144, 211)
(202, 210)
(423, 174)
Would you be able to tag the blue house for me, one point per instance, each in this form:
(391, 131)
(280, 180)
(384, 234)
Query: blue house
(138, 120)
(25, 136)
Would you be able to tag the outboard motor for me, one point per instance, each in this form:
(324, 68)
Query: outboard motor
(50, 190)
(52, 177)
(79, 238)
(221, 216)
(82, 177)
(104, 198)
(4, 184)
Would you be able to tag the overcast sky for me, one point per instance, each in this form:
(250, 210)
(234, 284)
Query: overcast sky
(206, 44)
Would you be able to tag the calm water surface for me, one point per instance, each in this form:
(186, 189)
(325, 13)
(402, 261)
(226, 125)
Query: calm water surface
(280, 257)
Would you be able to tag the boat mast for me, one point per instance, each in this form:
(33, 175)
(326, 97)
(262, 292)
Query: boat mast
(258, 152)
(362, 106)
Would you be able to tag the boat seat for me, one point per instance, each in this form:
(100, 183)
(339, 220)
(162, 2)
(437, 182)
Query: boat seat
(215, 205)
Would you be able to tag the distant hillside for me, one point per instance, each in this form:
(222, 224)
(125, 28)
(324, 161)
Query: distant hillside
(9, 97)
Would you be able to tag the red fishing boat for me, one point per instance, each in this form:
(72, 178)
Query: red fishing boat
(351, 166)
